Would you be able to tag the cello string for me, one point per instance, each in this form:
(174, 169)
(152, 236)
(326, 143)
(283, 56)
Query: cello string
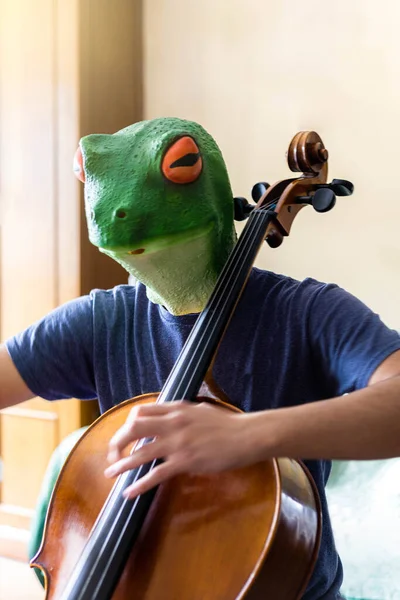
(215, 324)
(192, 339)
(219, 308)
(214, 304)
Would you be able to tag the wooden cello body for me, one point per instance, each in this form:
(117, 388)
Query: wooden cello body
(249, 533)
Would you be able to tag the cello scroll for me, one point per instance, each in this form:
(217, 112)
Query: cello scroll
(306, 154)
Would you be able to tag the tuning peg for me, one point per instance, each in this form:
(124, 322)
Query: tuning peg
(259, 189)
(341, 187)
(323, 200)
(242, 208)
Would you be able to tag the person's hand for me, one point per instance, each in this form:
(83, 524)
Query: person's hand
(190, 438)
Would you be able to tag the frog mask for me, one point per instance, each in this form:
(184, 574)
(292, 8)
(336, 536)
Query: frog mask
(158, 201)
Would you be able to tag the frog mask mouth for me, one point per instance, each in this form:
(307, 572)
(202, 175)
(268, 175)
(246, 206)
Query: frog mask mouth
(162, 243)
(158, 201)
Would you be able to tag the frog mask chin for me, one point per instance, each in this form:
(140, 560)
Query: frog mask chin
(178, 275)
(159, 202)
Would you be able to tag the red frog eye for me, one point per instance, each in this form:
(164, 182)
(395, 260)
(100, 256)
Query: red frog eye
(182, 162)
(78, 165)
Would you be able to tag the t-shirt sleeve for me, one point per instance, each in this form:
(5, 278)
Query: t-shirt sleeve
(349, 341)
(54, 356)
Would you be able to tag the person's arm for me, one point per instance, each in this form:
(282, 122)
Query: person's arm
(13, 389)
(364, 424)
(52, 358)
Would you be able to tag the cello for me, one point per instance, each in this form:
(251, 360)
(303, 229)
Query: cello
(252, 532)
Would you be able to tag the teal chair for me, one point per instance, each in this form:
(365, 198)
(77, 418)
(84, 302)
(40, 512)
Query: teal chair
(364, 503)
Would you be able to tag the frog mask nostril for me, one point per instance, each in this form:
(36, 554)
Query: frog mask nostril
(120, 214)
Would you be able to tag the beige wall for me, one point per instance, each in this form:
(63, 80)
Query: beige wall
(254, 72)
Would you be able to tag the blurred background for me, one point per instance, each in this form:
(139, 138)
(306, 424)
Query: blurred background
(253, 73)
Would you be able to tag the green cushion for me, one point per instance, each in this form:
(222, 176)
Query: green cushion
(364, 504)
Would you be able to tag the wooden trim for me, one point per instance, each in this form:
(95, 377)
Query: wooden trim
(29, 413)
(67, 135)
(16, 516)
(111, 98)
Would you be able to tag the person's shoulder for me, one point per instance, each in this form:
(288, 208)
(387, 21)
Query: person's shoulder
(120, 293)
(120, 300)
(279, 283)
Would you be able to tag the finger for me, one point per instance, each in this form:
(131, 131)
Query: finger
(143, 427)
(145, 454)
(158, 475)
(155, 409)
(145, 422)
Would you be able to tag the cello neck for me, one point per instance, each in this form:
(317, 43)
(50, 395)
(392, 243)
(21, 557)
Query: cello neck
(197, 354)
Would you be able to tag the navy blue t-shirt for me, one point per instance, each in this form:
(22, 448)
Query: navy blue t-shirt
(289, 342)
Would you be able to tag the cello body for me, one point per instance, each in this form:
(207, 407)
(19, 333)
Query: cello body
(248, 533)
